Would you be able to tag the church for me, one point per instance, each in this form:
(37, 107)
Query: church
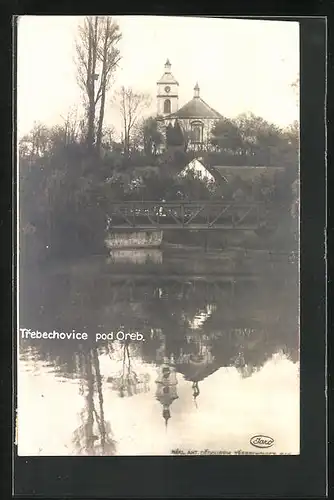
(196, 118)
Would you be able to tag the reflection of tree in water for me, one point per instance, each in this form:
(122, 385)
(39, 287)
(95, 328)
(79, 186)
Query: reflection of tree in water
(245, 327)
(127, 382)
(94, 435)
(191, 329)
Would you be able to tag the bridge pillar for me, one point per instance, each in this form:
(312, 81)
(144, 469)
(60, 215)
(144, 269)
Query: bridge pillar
(148, 238)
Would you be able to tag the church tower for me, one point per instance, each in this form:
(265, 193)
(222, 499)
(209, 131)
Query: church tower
(167, 92)
(166, 388)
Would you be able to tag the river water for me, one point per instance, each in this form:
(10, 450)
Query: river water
(213, 360)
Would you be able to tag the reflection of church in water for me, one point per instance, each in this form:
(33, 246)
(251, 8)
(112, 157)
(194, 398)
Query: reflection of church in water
(196, 118)
(189, 358)
(194, 366)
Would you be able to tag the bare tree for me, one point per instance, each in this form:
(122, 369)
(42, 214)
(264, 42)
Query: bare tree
(109, 57)
(36, 142)
(97, 59)
(71, 126)
(108, 134)
(131, 105)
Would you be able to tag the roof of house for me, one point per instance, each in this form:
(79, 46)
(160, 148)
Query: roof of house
(195, 162)
(246, 171)
(194, 165)
(196, 108)
(245, 167)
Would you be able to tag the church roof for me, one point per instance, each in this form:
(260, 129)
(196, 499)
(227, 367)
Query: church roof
(168, 77)
(196, 373)
(196, 108)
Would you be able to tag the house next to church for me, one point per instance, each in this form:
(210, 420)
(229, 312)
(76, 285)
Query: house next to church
(196, 117)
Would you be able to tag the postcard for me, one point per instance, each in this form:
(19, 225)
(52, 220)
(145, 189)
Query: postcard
(158, 236)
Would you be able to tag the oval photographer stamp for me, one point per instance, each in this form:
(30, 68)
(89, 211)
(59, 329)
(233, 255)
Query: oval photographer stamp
(260, 441)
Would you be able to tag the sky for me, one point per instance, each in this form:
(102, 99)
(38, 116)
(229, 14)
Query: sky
(240, 65)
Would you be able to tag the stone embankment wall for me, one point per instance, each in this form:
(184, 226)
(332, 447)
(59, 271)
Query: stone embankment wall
(140, 239)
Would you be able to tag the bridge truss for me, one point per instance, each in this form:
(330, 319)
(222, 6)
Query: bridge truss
(194, 215)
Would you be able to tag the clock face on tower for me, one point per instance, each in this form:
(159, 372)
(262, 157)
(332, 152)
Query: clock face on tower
(167, 89)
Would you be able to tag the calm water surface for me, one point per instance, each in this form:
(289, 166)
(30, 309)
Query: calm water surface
(218, 363)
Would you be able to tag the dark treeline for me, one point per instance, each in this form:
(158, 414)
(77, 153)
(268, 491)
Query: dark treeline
(64, 191)
(69, 173)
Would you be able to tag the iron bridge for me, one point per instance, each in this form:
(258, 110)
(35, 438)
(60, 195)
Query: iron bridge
(194, 215)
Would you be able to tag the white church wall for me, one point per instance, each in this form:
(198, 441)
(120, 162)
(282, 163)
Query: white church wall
(208, 124)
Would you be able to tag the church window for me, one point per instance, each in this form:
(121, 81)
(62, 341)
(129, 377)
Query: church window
(167, 106)
(197, 131)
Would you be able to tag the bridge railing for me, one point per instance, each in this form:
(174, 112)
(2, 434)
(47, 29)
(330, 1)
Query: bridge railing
(195, 214)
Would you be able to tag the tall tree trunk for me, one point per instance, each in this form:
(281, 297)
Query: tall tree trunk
(97, 52)
(103, 86)
(89, 434)
(93, 29)
(100, 394)
(101, 117)
(90, 116)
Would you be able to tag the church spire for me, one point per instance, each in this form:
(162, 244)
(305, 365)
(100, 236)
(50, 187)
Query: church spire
(166, 415)
(196, 90)
(168, 66)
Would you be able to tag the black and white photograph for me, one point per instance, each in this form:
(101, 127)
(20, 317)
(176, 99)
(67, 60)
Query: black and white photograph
(158, 244)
